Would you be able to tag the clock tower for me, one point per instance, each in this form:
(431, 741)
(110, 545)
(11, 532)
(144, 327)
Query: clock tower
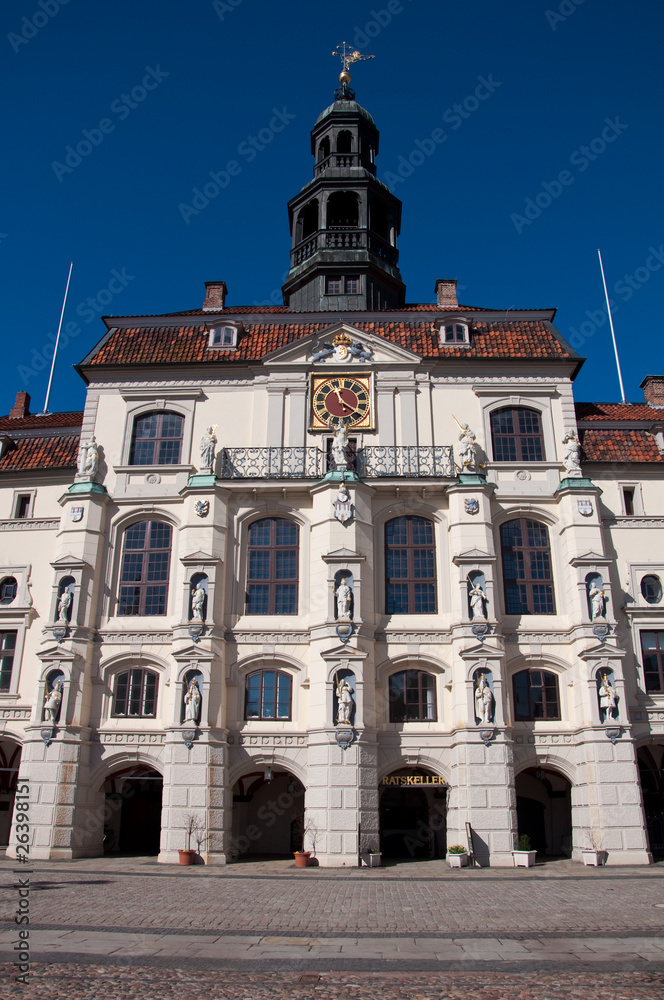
(345, 222)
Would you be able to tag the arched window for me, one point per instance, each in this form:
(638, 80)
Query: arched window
(651, 588)
(157, 439)
(536, 695)
(410, 567)
(516, 433)
(527, 568)
(345, 142)
(272, 567)
(268, 695)
(324, 149)
(342, 210)
(144, 569)
(8, 589)
(135, 694)
(307, 221)
(412, 697)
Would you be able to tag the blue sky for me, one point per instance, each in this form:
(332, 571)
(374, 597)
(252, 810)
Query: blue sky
(554, 149)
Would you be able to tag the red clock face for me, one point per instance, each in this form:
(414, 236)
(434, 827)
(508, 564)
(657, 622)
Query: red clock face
(341, 402)
(341, 397)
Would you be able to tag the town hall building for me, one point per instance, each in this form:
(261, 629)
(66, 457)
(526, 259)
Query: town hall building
(347, 574)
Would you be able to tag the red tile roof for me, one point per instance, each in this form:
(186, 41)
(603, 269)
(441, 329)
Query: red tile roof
(515, 338)
(618, 411)
(35, 421)
(32, 453)
(618, 445)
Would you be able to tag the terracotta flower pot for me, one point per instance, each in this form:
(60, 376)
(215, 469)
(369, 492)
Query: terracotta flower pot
(302, 859)
(187, 857)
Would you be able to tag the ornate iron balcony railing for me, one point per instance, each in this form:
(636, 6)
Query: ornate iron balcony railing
(372, 462)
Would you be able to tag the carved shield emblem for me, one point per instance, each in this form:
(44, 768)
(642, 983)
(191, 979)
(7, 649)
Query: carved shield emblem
(202, 508)
(76, 513)
(343, 510)
(585, 507)
(472, 505)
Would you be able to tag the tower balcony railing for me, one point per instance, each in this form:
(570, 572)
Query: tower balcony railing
(344, 238)
(337, 160)
(372, 462)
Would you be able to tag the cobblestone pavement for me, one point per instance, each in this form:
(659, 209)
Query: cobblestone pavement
(136, 983)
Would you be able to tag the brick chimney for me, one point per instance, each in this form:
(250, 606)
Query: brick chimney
(446, 293)
(653, 390)
(215, 295)
(21, 407)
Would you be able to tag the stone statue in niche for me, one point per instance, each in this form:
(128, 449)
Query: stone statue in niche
(478, 600)
(64, 604)
(53, 701)
(608, 699)
(572, 456)
(483, 700)
(339, 445)
(345, 701)
(597, 601)
(467, 448)
(192, 703)
(208, 444)
(344, 596)
(198, 596)
(88, 459)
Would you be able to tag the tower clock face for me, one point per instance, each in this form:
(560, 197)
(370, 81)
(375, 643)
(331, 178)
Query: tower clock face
(341, 397)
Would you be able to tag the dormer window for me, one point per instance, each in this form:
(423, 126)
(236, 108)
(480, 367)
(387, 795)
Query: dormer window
(453, 331)
(223, 337)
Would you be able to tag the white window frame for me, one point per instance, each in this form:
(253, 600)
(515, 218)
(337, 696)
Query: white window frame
(454, 321)
(637, 499)
(15, 501)
(223, 336)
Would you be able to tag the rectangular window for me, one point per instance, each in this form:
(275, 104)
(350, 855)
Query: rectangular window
(7, 647)
(628, 499)
(652, 648)
(223, 336)
(352, 286)
(334, 286)
(22, 505)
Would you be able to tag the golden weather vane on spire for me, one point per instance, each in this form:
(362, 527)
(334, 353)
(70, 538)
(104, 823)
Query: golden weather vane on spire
(348, 55)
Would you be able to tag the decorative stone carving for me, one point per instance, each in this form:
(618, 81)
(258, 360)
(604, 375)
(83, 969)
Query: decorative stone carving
(478, 600)
(192, 703)
(345, 702)
(343, 508)
(53, 701)
(88, 460)
(467, 451)
(572, 456)
(208, 444)
(339, 445)
(64, 608)
(344, 596)
(597, 601)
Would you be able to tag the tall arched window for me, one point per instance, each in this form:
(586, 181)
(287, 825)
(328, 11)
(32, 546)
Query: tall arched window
(268, 695)
(536, 695)
(412, 696)
(410, 567)
(157, 439)
(516, 433)
(144, 569)
(135, 694)
(527, 570)
(272, 559)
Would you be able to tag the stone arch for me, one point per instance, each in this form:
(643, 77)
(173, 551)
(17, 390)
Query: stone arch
(412, 817)
(11, 749)
(544, 805)
(268, 815)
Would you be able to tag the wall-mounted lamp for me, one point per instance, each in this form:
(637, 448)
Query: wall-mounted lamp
(268, 774)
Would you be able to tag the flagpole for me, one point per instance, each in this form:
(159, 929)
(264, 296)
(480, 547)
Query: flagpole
(613, 332)
(57, 341)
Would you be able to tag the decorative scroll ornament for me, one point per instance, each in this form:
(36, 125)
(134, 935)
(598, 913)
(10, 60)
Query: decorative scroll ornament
(202, 508)
(471, 505)
(585, 507)
(76, 513)
(343, 508)
(344, 735)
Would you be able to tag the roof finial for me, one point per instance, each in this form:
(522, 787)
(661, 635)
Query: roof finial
(347, 55)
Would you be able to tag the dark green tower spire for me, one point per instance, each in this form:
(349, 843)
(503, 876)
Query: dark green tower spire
(345, 222)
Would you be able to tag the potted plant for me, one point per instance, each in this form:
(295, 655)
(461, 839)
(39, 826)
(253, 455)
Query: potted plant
(524, 856)
(310, 831)
(594, 855)
(192, 829)
(457, 856)
(370, 857)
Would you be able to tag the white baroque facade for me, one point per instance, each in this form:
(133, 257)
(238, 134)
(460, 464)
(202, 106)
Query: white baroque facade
(490, 561)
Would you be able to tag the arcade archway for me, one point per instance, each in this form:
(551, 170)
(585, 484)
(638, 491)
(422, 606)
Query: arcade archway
(268, 815)
(10, 760)
(544, 810)
(651, 773)
(132, 811)
(413, 815)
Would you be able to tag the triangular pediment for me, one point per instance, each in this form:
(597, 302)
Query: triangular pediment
(199, 557)
(69, 562)
(55, 654)
(375, 350)
(343, 652)
(192, 653)
(602, 649)
(590, 559)
(343, 555)
(473, 555)
(481, 649)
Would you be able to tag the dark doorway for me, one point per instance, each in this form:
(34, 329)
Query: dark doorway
(268, 816)
(132, 822)
(10, 759)
(651, 772)
(412, 818)
(544, 811)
